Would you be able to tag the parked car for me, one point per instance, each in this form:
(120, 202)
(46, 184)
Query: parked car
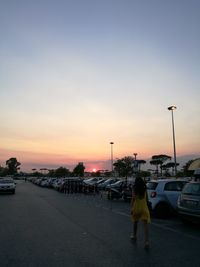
(51, 182)
(71, 185)
(7, 185)
(102, 180)
(114, 193)
(115, 190)
(127, 191)
(102, 186)
(189, 202)
(117, 185)
(91, 181)
(163, 195)
(90, 185)
(56, 183)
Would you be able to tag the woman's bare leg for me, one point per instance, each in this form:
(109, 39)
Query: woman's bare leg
(134, 234)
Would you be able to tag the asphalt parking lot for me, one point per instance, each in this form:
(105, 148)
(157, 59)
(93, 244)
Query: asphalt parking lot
(41, 227)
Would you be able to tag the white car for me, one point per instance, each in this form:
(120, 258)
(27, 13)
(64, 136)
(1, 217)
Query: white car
(163, 195)
(7, 185)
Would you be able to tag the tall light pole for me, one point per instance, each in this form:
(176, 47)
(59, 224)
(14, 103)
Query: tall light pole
(172, 108)
(135, 155)
(112, 143)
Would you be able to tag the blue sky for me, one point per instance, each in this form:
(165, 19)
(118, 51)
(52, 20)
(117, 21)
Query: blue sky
(75, 75)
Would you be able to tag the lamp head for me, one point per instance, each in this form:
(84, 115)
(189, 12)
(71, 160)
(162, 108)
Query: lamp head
(172, 108)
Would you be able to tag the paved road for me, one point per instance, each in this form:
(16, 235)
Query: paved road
(43, 228)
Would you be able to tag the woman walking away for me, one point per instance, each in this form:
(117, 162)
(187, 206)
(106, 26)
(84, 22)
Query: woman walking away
(139, 209)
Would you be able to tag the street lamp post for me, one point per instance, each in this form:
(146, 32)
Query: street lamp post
(172, 108)
(135, 155)
(112, 143)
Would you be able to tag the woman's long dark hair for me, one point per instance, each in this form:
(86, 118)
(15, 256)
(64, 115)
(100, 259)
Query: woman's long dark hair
(139, 187)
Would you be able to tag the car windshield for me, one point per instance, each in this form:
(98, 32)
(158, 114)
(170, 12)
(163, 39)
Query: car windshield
(108, 181)
(116, 183)
(192, 189)
(101, 181)
(152, 185)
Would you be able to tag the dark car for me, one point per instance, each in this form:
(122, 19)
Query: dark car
(103, 185)
(71, 185)
(91, 185)
(189, 202)
(114, 191)
(127, 191)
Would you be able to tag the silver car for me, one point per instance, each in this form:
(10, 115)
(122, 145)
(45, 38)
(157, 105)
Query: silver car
(7, 185)
(163, 195)
(189, 202)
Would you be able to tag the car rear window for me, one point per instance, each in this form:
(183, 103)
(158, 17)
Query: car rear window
(152, 185)
(174, 186)
(192, 189)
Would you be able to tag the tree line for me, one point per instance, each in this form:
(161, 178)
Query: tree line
(123, 167)
(13, 169)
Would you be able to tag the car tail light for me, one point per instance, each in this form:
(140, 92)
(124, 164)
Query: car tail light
(153, 194)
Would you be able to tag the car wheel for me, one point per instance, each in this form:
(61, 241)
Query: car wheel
(162, 210)
(13, 191)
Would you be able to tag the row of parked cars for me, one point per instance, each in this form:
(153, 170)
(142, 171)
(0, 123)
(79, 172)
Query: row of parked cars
(89, 185)
(99, 183)
(60, 184)
(74, 184)
(166, 196)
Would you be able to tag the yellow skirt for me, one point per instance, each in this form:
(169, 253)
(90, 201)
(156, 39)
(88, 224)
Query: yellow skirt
(140, 211)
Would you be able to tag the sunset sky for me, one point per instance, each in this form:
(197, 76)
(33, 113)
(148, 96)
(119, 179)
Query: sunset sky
(78, 74)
